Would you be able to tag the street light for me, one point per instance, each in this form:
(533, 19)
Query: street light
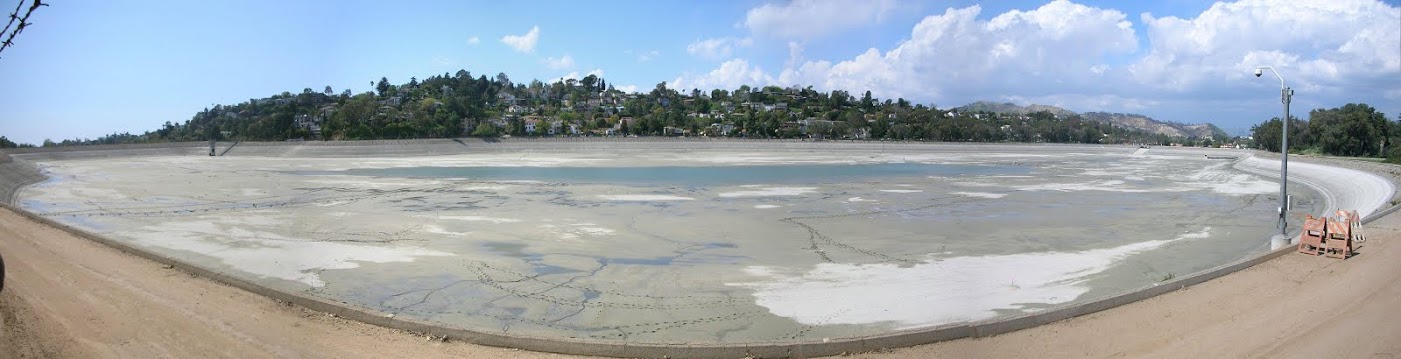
(1285, 95)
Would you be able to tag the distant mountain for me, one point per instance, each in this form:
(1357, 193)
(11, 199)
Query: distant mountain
(1126, 120)
(1129, 120)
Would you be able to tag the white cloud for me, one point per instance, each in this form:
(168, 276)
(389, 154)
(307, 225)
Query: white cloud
(1079, 102)
(523, 43)
(795, 54)
(625, 88)
(562, 63)
(441, 61)
(809, 19)
(1086, 58)
(717, 48)
(730, 75)
(648, 56)
(574, 75)
(956, 57)
(1318, 46)
(474, 40)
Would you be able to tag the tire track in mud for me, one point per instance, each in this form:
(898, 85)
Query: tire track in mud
(623, 331)
(816, 239)
(497, 283)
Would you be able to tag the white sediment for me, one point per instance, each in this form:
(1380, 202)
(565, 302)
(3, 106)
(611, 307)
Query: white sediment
(429, 228)
(574, 231)
(1217, 178)
(269, 254)
(939, 292)
(771, 191)
(980, 194)
(475, 219)
(643, 197)
(902, 190)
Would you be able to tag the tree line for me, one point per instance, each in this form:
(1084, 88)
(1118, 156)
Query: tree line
(459, 104)
(1353, 130)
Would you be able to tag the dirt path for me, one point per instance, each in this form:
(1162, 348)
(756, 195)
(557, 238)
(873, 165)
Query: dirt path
(68, 297)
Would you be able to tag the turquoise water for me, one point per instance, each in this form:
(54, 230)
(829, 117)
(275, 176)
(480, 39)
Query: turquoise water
(693, 176)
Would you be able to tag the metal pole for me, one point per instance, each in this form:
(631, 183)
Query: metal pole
(1284, 97)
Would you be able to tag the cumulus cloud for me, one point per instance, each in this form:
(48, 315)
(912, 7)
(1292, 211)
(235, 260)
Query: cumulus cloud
(1088, 58)
(1319, 46)
(523, 43)
(473, 40)
(809, 19)
(562, 63)
(955, 55)
(717, 48)
(730, 75)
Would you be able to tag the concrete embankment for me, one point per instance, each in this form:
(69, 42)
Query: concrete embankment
(14, 175)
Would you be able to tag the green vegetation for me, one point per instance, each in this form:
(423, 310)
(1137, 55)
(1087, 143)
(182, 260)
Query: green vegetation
(1354, 130)
(6, 143)
(453, 105)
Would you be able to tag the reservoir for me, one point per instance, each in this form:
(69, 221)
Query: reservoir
(673, 246)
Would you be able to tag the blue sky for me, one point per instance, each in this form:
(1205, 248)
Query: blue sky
(89, 68)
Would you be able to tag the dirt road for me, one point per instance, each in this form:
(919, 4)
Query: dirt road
(67, 297)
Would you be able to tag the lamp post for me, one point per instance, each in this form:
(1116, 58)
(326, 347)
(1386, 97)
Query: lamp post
(1285, 95)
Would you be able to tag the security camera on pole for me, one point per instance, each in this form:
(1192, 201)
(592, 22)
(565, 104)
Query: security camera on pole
(1285, 95)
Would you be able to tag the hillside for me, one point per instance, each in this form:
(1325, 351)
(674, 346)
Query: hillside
(988, 106)
(1129, 121)
(460, 104)
(1145, 123)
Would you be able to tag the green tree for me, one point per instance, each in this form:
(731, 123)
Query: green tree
(382, 86)
(589, 82)
(484, 130)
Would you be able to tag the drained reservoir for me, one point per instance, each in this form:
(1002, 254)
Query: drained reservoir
(660, 246)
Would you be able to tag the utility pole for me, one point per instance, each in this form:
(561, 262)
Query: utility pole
(1285, 96)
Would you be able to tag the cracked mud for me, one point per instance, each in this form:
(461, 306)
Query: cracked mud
(772, 246)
